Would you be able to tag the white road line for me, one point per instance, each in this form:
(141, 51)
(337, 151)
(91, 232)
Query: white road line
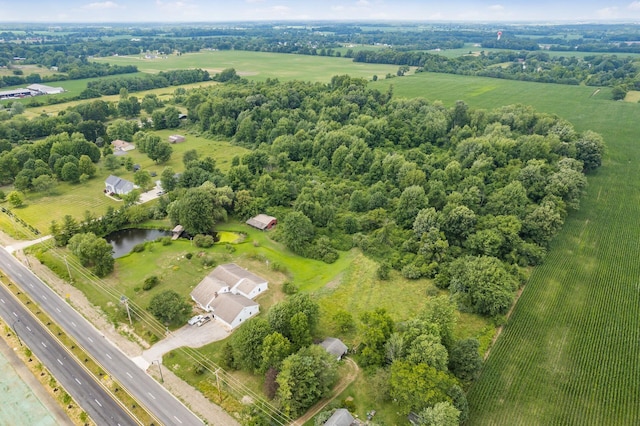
(43, 344)
(179, 421)
(2, 300)
(28, 328)
(44, 297)
(59, 361)
(151, 395)
(73, 324)
(31, 285)
(90, 339)
(97, 402)
(15, 315)
(58, 310)
(130, 376)
(108, 356)
(77, 380)
(19, 274)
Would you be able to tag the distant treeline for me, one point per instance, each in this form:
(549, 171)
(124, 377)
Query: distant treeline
(146, 82)
(88, 70)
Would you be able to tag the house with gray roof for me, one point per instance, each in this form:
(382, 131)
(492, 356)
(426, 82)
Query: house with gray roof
(227, 291)
(116, 185)
(341, 417)
(335, 347)
(233, 309)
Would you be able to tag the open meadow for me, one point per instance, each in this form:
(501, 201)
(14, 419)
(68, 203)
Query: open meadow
(569, 353)
(258, 66)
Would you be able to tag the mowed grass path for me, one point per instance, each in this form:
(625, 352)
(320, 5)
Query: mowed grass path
(570, 353)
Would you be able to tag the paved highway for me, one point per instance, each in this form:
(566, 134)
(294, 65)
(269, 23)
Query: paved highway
(91, 396)
(162, 404)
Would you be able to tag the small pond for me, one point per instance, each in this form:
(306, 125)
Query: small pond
(123, 241)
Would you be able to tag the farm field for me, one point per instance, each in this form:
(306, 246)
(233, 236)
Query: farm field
(569, 353)
(258, 66)
(470, 47)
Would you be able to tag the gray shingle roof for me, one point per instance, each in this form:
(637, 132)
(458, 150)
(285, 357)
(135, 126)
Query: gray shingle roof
(227, 306)
(334, 346)
(341, 417)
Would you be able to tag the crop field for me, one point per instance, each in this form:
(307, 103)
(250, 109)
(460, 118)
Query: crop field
(569, 353)
(258, 65)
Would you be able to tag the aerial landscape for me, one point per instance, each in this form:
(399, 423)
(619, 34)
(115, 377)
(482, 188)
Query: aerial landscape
(344, 213)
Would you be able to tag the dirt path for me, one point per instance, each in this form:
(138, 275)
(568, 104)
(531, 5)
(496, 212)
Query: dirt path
(499, 329)
(337, 390)
(205, 409)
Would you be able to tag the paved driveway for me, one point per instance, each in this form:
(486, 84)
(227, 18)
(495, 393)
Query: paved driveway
(189, 335)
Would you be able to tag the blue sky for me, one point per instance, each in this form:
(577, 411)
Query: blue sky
(257, 10)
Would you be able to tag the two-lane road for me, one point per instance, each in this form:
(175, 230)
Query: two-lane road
(163, 405)
(91, 396)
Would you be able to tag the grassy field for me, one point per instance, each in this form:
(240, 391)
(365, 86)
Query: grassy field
(569, 354)
(75, 199)
(259, 65)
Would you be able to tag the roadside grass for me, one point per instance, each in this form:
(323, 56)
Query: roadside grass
(259, 66)
(568, 354)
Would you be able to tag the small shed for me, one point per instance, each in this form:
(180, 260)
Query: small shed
(136, 167)
(176, 138)
(341, 417)
(335, 347)
(262, 222)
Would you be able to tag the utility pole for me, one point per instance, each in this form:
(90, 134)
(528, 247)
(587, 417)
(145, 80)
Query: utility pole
(125, 301)
(13, 325)
(218, 385)
(68, 269)
(160, 369)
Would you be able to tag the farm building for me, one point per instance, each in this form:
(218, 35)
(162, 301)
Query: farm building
(341, 417)
(262, 222)
(15, 93)
(335, 347)
(41, 89)
(120, 145)
(115, 185)
(176, 138)
(227, 292)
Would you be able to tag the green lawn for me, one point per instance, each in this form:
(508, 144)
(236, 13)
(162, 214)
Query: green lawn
(569, 354)
(259, 65)
(75, 199)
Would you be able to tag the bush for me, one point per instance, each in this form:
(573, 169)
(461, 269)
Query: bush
(208, 261)
(330, 257)
(383, 271)
(150, 282)
(411, 272)
(289, 288)
(165, 241)
(278, 267)
(139, 248)
(199, 368)
(229, 248)
(188, 255)
(203, 241)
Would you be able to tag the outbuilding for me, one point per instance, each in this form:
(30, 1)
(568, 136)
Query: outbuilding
(341, 417)
(262, 222)
(335, 347)
(176, 138)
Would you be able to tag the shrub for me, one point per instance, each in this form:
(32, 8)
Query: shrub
(188, 255)
(203, 241)
(289, 288)
(138, 248)
(208, 261)
(330, 257)
(199, 368)
(229, 248)
(383, 271)
(165, 241)
(150, 282)
(411, 272)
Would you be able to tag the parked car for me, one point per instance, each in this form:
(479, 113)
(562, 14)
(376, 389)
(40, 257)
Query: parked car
(205, 319)
(194, 320)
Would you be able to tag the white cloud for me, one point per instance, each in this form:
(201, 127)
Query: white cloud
(254, 1)
(337, 8)
(608, 12)
(101, 5)
(361, 3)
(634, 6)
(496, 8)
(280, 9)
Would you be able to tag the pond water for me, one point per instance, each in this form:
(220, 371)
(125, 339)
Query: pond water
(124, 240)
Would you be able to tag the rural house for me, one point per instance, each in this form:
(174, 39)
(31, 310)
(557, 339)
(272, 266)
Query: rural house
(176, 138)
(233, 309)
(341, 417)
(335, 347)
(262, 222)
(227, 291)
(122, 146)
(116, 185)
